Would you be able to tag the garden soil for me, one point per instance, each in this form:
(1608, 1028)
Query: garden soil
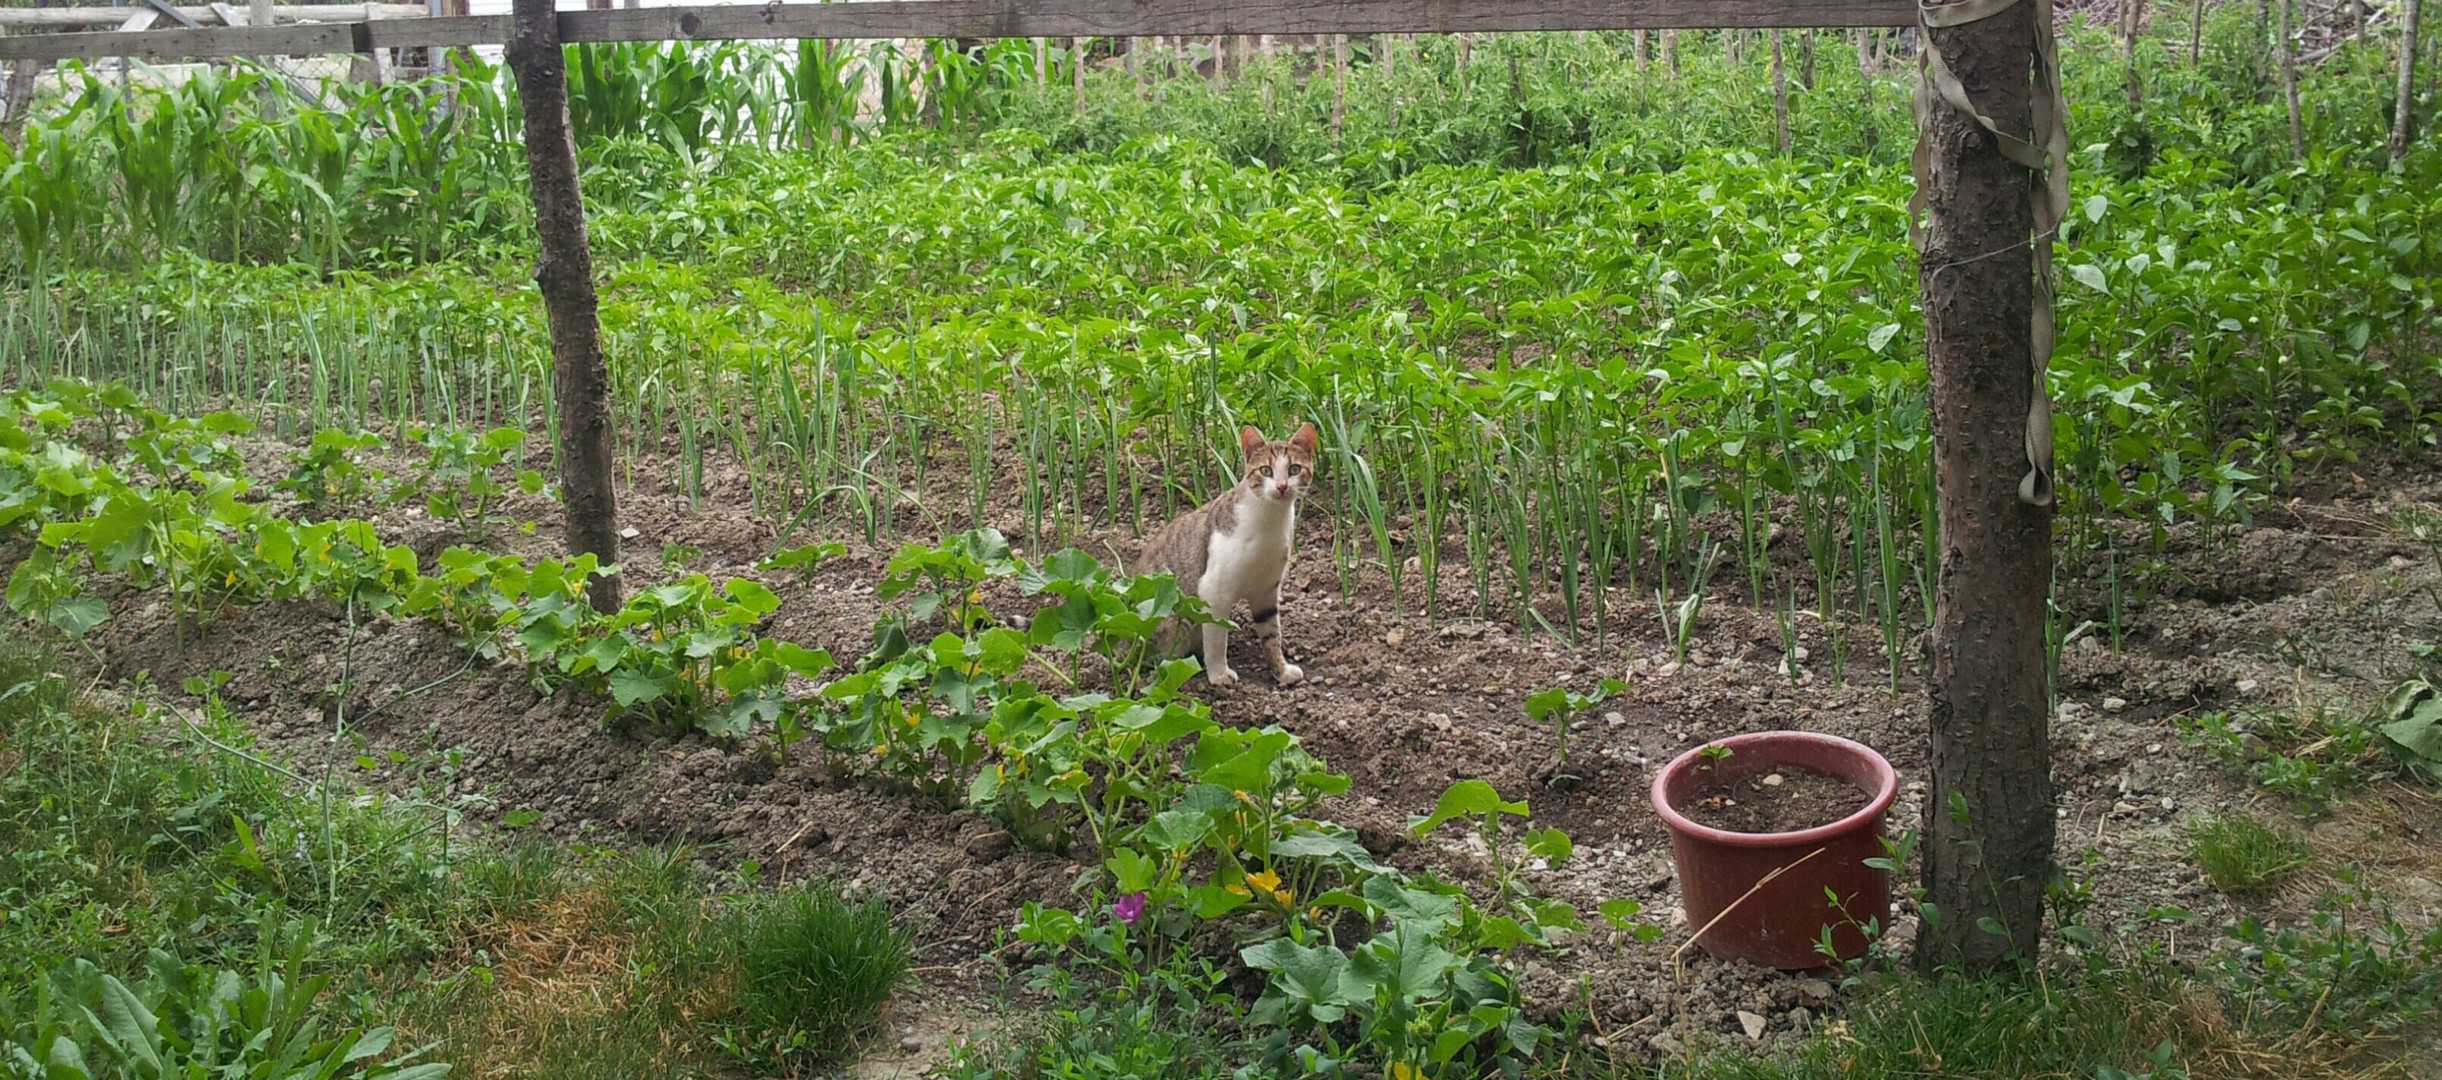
(1791, 800)
(2311, 607)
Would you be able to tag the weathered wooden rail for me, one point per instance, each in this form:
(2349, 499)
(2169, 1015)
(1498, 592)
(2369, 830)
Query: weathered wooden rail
(956, 19)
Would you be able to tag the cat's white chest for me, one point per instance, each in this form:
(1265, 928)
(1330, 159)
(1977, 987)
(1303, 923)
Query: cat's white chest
(1246, 563)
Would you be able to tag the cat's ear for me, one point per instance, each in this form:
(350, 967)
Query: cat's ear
(1303, 441)
(1251, 442)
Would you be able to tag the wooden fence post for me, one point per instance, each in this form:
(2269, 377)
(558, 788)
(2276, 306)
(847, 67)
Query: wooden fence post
(2401, 128)
(2289, 84)
(1780, 99)
(1988, 820)
(564, 269)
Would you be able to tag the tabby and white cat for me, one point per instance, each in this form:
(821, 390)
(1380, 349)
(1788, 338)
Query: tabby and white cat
(1236, 547)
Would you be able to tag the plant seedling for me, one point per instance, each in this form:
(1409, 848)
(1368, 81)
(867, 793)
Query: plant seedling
(1560, 707)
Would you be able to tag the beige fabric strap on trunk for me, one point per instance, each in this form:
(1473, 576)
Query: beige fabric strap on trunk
(2046, 151)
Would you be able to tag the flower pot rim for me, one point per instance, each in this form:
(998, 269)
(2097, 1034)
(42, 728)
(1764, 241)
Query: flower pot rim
(1886, 778)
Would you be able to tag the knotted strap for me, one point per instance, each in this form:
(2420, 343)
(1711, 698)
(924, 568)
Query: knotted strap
(2046, 152)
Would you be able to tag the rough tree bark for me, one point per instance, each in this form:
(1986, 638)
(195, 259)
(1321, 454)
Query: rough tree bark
(2289, 84)
(1640, 52)
(1339, 83)
(21, 76)
(2196, 36)
(564, 270)
(1988, 824)
(1780, 99)
(1806, 60)
(2130, 21)
(1865, 91)
(1076, 71)
(2405, 106)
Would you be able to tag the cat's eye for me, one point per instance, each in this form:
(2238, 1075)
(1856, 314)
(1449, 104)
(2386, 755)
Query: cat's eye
(1267, 470)
(1295, 469)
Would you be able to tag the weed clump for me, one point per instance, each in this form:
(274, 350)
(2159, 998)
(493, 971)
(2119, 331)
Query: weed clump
(813, 969)
(2242, 854)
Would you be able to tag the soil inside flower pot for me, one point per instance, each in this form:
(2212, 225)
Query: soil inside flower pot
(1785, 800)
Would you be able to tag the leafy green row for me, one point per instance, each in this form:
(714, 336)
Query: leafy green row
(1194, 821)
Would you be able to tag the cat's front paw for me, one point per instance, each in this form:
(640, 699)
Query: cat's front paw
(1291, 675)
(1223, 677)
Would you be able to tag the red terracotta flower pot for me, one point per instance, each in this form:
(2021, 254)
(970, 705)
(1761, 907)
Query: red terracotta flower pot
(1780, 924)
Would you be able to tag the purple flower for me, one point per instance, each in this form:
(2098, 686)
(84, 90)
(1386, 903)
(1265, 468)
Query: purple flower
(1129, 908)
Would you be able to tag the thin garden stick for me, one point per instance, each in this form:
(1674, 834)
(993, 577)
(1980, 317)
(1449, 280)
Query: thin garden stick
(1678, 956)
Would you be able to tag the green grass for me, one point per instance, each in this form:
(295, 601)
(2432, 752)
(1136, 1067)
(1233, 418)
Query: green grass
(161, 849)
(2244, 855)
(2311, 756)
(813, 970)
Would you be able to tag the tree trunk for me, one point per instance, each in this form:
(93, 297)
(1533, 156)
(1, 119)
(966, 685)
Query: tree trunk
(564, 270)
(1389, 44)
(2128, 51)
(1640, 52)
(1865, 92)
(1466, 49)
(2401, 129)
(1806, 60)
(2196, 36)
(1220, 50)
(1076, 71)
(2289, 85)
(1670, 53)
(21, 76)
(1042, 61)
(1780, 99)
(1339, 83)
(1988, 821)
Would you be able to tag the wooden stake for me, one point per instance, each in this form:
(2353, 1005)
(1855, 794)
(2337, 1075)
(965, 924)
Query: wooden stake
(2133, 18)
(1806, 60)
(1339, 83)
(1865, 91)
(2196, 36)
(1640, 52)
(2289, 85)
(1042, 62)
(21, 76)
(1988, 820)
(1780, 99)
(1670, 53)
(2401, 128)
(564, 271)
(1076, 70)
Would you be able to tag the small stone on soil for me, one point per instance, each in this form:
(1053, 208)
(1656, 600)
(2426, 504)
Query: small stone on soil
(2113, 704)
(1753, 1023)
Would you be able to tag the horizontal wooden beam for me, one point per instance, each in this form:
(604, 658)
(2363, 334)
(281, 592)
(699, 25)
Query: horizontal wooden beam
(997, 19)
(116, 16)
(1128, 18)
(186, 44)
